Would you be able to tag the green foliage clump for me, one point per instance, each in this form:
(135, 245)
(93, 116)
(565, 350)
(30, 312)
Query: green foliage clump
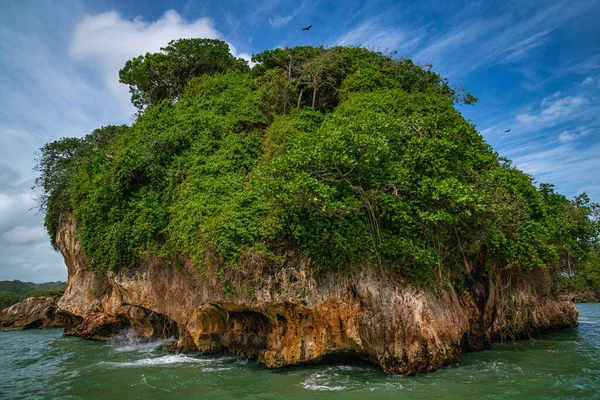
(353, 157)
(155, 77)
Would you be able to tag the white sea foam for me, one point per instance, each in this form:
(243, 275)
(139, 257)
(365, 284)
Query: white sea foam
(324, 381)
(164, 360)
(139, 345)
(313, 386)
(211, 369)
(351, 367)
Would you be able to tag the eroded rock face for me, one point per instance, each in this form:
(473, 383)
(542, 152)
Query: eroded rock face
(32, 313)
(287, 316)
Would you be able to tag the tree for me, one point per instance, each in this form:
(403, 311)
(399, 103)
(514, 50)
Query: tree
(158, 76)
(59, 161)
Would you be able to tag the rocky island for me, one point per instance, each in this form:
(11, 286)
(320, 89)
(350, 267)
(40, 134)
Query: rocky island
(327, 203)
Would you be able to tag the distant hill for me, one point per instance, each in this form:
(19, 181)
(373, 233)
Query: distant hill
(12, 292)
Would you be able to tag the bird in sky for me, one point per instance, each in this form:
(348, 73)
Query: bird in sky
(307, 28)
(508, 130)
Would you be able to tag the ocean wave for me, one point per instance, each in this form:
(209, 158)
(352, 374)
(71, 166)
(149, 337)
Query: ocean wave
(328, 380)
(140, 345)
(317, 387)
(164, 360)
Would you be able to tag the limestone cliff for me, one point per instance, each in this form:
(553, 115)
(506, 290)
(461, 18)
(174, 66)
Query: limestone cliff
(32, 313)
(287, 316)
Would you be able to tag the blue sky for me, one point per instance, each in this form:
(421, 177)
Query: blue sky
(535, 66)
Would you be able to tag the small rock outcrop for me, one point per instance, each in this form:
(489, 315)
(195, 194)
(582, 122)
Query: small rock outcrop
(581, 296)
(32, 313)
(287, 316)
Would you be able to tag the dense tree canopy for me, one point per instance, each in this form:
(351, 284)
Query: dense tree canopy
(158, 76)
(353, 157)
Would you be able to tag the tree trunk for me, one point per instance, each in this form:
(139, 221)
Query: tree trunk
(287, 87)
(314, 93)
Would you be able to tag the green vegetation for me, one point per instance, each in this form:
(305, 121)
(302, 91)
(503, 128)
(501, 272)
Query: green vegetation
(158, 76)
(353, 157)
(12, 292)
(7, 299)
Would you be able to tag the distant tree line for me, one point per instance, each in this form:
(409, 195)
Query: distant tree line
(12, 292)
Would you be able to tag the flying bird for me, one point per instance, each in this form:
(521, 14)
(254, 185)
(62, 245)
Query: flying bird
(508, 130)
(307, 28)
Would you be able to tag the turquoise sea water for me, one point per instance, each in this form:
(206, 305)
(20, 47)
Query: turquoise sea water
(47, 365)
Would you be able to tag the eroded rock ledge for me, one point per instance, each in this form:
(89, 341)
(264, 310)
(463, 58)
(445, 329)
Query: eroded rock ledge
(288, 317)
(32, 313)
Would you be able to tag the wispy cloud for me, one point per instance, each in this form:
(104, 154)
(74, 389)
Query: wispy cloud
(553, 109)
(278, 20)
(520, 49)
(473, 42)
(569, 135)
(586, 65)
(555, 139)
(374, 33)
(448, 44)
(592, 81)
(560, 164)
(479, 42)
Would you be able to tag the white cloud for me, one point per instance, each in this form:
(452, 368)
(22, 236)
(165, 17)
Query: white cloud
(8, 176)
(566, 136)
(24, 234)
(35, 262)
(561, 164)
(279, 20)
(554, 140)
(554, 109)
(106, 41)
(25, 251)
(14, 210)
